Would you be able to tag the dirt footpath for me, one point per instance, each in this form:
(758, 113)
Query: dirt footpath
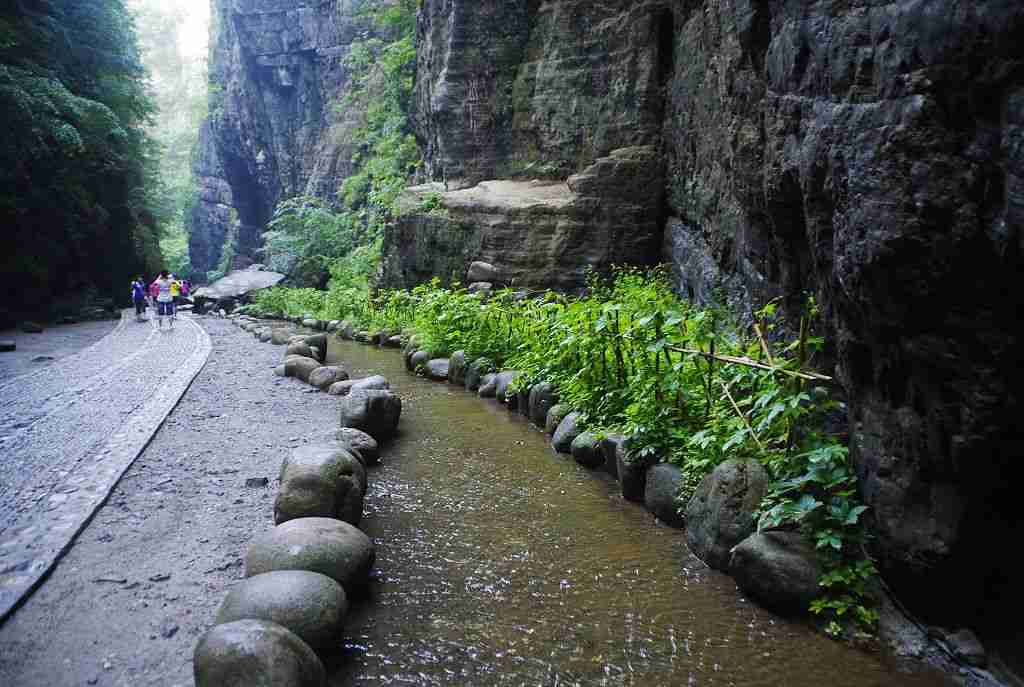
(142, 582)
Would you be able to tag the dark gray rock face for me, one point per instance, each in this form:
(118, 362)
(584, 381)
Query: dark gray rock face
(475, 372)
(255, 653)
(419, 359)
(344, 387)
(612, 445)
(661, 493)
(502, 386)
(373, 411)
(632, 472)
(543, 397)
(586, 450)
(488, 385)
(311, 605)
(324, 377)
(555, 416)
(437, 369)
(721, 512)
(321, 481)
(566, 432)
(272, 131)
(777, 569)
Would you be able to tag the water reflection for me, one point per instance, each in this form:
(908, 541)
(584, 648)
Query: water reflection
(502, 563)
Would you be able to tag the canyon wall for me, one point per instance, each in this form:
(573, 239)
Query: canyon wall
(275, 128)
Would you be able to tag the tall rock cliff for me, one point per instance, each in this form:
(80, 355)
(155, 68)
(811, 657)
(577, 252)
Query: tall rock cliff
(274, 130)
(868, 152)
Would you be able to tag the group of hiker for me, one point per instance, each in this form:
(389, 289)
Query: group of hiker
(164, 295)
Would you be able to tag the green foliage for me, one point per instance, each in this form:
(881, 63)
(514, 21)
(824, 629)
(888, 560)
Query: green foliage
(77, 168)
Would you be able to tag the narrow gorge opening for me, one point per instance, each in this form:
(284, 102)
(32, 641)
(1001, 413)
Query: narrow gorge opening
(665, 35)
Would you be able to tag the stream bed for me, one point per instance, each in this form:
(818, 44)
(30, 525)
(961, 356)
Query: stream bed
(500, 562)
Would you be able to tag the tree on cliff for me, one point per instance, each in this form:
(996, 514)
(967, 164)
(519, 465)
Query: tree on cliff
(76, 167)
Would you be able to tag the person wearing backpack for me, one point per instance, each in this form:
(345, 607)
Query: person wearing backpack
(139, 299)
(164, 300)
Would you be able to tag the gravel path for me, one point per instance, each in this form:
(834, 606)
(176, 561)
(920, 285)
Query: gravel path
(127, 603)
(38, 351)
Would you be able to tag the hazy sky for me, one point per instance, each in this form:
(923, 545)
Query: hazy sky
(194, 33)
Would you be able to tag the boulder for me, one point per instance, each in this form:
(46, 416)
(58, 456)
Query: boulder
(610, 447)
(343, 388)
(346, 330)
(281, 336)
(502, 383)
(393, 342)
(310, 323)
(8, 346)
(661, 493)
(721, 512)
(488, 386)
(457, 368)
(437, 369)
(266, 335)
(281, 370)
(30, 327)
(321, 480)
(780, 570)
(555, 417)
(380, 338)
(324, 545)
(360, 444)
(300, 367)
(318, 345)
(311, 605)
(632, 472)
(542, 398)
(296, 338)
(299, 348)
(332, 326)
(373, 411)
(255, 653)
(567, 431)
(586, 450)
(967, 648)
(482, 287)
(323, 377)
(481, 271)
(521, 401)
(475, 372)
(363, 337)
(419, 359)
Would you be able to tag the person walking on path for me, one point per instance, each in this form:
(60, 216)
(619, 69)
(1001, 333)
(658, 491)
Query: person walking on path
(139, 298)
(164, 300)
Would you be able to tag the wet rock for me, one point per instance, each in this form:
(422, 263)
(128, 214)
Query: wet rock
(8, 346)
(437, 369)
(475, 372)
(255, 653)
(281, 337)
(373, 411)
(967, 648)
(419, 359)
(281, 370)
(488, 385)
(481, 271)
(555, 416)
(586, 450)
(543, 397)
(324, 545)
(343, 388)
(721, 512)
(310, 323)
(360, 444)
(323, 377)
(310, 605)
(393, 342)
(661, 493)
(610, 447)
(632, 471)
(300, 367)
(257, 482)
(346, 330)
(321, 481)
(777, 569)
(332, 326)
(363, 337)
(482, 287)
(567, 431)
(502, 386)
(380, 338)
(457, 368)
(266, 335)
(299, 348)
(318, 345)
(30, 327)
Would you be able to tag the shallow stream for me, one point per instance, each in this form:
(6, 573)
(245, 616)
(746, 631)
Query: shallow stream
(500, 562)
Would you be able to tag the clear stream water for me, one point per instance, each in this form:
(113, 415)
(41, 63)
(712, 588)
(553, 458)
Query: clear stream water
(500, 562)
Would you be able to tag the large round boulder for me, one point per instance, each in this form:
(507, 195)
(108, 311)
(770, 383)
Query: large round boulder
(555, 417)
(281, 336)
(475, 373)
(373, 411)
(543, 397)
(311, 605)
(610, 447)
(567, 431)
(300, 367)
(777, 569)
(586, 450)
(419, 359)
(360, 444)
(299, 348)
(344, 388)
(481, 271)
(323, 377)
(255, 653)
(721, 512)
(322, 480)
(503, 384)
(332, 326)
(324, 545)
(457, 368)
(310, 323)
(488, 386)
(632, 471)
(437, 369)
(266, 335)
(661, 493)
(393, 342)
(318, 346)
(346, 330)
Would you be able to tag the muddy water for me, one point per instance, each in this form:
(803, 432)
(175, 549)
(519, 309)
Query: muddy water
(500, 562)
